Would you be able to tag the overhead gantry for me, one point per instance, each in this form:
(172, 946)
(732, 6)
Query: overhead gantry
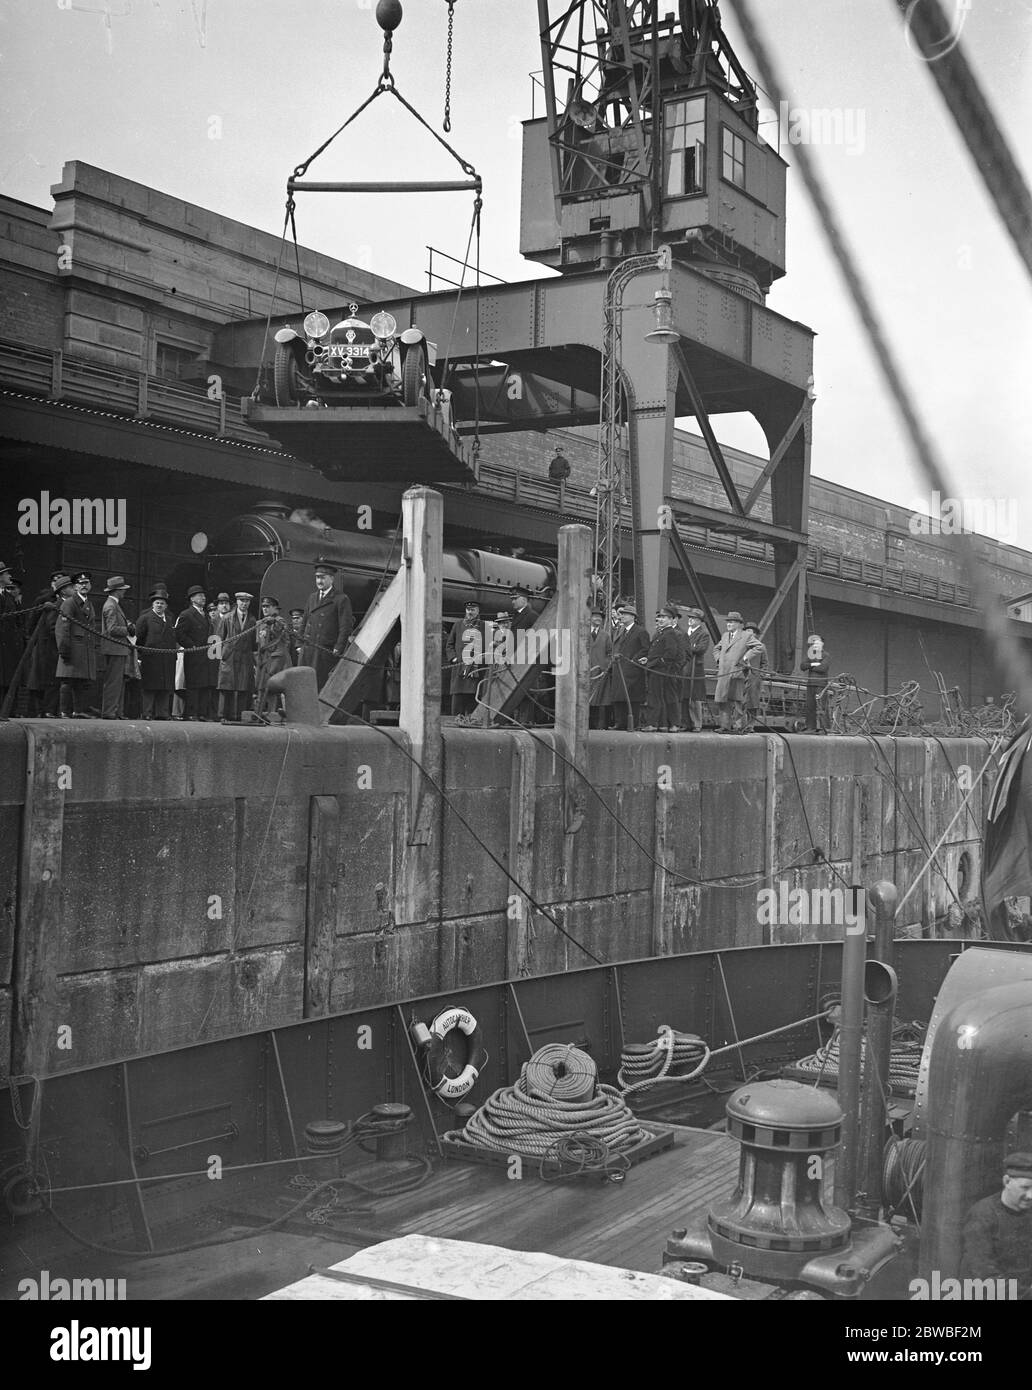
(731, 354)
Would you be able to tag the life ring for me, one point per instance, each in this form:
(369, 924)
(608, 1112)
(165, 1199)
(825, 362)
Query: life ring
(449, 1021)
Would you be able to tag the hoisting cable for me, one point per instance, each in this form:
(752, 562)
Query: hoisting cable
(447, 68)
(1008, 651)
(973, 117)
(287, 220)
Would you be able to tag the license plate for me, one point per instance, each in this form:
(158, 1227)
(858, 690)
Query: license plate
(351, 349)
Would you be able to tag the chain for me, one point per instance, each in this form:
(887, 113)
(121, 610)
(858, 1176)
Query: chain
(447, 70)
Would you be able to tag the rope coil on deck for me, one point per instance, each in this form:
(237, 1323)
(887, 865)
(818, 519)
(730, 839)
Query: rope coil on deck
(646, 1064)
(904, 1063)
(557, 1097)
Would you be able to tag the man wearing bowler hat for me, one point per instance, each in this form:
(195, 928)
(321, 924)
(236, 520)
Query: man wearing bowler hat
(76, 635)
(155, 630)
(327, 623)
(193, 628)
(115, 631)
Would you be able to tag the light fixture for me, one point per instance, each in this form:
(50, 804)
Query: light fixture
(664, 331)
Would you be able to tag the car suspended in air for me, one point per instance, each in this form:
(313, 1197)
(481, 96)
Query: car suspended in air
(356, 362)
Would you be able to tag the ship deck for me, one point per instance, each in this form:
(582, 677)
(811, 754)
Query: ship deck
(620, 1224)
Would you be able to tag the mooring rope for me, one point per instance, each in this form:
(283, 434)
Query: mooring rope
(556, 1097)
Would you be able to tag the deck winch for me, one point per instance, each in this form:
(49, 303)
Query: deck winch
(780, 1215)
(779, 1225)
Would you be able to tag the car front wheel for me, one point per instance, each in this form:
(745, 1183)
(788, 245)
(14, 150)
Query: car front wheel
(414, 376)
(284, 375)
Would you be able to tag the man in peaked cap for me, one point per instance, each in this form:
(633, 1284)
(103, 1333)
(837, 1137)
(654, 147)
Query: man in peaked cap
(200, 675)
(464, 650)
(997, 1242)
(41, 678)
(327, 623)
(115, 631)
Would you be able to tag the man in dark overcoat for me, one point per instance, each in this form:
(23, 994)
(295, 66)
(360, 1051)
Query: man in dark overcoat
(155, 629)
(523, 619)
(236, 670)
(200, 674)
(463, 653)
(41, 677)
(630, 653)
(12, 631)
(663, 665)
(600, 659)
(76, 634)
(815, 664)
(327, 624)
(698, 642)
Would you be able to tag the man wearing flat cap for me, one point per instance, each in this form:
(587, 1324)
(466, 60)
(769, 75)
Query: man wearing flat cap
(76, 635)
(998, 1230)
(115, 631)
(200, 673)
(327, 623)
(236, 669)
(156, 631)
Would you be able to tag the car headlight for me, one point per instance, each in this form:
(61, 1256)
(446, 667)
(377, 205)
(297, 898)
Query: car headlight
(383, 325)
(317, 325)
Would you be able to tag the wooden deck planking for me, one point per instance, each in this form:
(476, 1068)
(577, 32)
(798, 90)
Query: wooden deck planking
(623, 1225)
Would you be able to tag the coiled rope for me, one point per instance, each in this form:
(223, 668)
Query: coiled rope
(557, 1098)
(645, 1064)
(904, 1063)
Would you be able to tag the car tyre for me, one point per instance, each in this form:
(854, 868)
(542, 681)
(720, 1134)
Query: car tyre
(414, 376)
(284, 375)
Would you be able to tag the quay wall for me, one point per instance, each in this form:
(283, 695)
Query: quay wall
(169, 885)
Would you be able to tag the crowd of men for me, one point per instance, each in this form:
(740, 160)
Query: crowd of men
(642, 681)
(212, 662)
(75, 663)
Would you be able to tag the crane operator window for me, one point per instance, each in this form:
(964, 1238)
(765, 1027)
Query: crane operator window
(685, 146)
(733, 164)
